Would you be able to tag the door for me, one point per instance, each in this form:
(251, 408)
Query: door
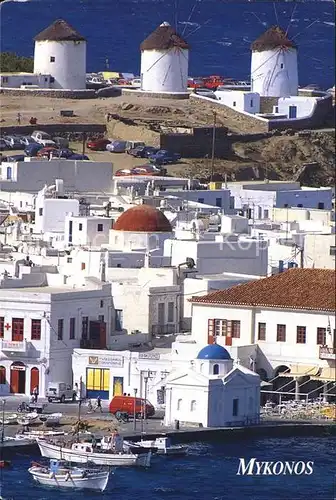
(18, 378)
(292, 112)
(118, 386)
(161, 313)
(34, 379)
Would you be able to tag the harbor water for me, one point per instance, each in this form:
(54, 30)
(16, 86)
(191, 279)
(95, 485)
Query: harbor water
(220, 32)
(208, 472)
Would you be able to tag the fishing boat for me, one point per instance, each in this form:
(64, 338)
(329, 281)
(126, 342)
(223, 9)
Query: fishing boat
(33, 435)
(61, 475)
(160, 446)
(109, 452)
(52, 419)
(11, 419)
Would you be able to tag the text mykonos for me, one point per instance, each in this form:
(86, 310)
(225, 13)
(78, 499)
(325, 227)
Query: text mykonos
(254, 467)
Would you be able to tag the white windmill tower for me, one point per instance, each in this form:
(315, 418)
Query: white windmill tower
(60, 51)
(164, 61)
(274, 67)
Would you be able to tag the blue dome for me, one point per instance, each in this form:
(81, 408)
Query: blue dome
(214, 352)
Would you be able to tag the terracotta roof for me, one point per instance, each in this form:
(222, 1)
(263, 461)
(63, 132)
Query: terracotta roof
(309, 289)
(275, 37)
(164, 38)
(144, 219)
(59, 31)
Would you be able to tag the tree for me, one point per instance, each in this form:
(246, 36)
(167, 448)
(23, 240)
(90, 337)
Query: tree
(12, 63)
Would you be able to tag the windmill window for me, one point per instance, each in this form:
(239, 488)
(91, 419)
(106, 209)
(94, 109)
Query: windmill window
(234, 104)
(281, 65)
(52, 59)
(216, 369)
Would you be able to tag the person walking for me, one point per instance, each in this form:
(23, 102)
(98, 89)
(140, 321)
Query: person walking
(35, 394)
(98, 404)
(19, 118)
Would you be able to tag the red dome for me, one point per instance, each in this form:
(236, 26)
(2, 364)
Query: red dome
(144, 219)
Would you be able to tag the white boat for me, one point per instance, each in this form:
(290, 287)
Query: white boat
(84, 452)
(28, 418)
(10, 442)
(161, 446)
(59, 475)
(33, 435)
(11, 419)
(52, 419)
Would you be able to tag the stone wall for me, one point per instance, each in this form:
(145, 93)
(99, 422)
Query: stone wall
(59, 94)
(243, 122)
(70, 131)
(128, 130)
(267, 103)
(199, 143)
(152, 95)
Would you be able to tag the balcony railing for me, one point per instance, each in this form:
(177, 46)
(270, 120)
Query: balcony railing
(327, 352)
(163, 329)
(13, 345)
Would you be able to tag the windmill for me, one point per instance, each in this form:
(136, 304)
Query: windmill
(164, 61)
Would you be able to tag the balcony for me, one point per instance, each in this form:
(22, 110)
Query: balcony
(14, 345)
(163, 329)
(327, 352)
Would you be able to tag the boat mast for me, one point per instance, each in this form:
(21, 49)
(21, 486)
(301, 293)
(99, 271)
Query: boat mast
(2, 443)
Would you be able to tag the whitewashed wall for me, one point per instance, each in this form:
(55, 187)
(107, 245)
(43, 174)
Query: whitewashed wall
(274, 73)
(164, 70)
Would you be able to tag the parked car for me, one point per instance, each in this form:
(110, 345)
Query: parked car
(63, 153)
(134, 144)
(77, 156)
(163, 157)
(42, 138)
(146, 170)
(13, 142)
(129, 403)
(33, 149)
(117, 147)
(47, 151)
(61, 142)
(59, 391)
(98, 144)
(26, 140)
(124, 172)
(16, 158)
(142, 151)
(3, 145)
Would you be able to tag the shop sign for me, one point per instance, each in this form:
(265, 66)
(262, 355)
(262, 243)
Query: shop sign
(113, 361)
(149, 355)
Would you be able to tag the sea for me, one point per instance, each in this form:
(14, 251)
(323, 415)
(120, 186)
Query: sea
(220, 32)
(207, 472)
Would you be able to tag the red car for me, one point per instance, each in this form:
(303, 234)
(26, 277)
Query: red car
(46, 151)
(98, 144)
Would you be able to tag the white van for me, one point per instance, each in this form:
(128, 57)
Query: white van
(59, 391)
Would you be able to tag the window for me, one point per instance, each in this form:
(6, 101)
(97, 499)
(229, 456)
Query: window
(235, 407)
(320, 205)
(69, 260)
(2, 327)
(101, 318)
(219, 202)
(100, 228)
(281, 65)
(234, 104)
(52, 79)
(36, 329)
(261, 331)
(193, 405)
(215, 370)
(80, 227)
(251, 103)
(286, 205)
(72, 333)
(321, 337)
(46, 79)
(200, 200)
(85, 327)
(60, 328)
(332, 251)
(161, 313)
(97, 379)
(235, 329)
(281, 333)
(9, 173)
(170, 312)
(266, 214)
(118, 323)
(179, 404)
(5, 79)
(300, 334)
(40, 212)
(101, 303)
(300, 205)
(83, 266)
(2, 375)
(52, 59)
(17, 329)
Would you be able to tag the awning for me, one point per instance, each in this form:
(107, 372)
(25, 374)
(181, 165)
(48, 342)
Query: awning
(302, 371)
(110, 74)
(327, 374)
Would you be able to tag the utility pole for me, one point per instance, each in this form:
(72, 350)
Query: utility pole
(79, 407)
(84, 141)
(213, 145)
(134, 412)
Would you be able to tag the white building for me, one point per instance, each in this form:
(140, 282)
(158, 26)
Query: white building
(320, 251)
(41, 322)
(249, 102)
(89, 231)
(282, 323)
(274, 67)
(60, 51)
(211, 392)
(164, 61)
(33, 174)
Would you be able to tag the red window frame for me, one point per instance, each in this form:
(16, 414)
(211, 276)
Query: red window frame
(36, 329)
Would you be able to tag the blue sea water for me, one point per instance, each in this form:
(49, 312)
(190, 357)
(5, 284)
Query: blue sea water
(220, 31)
(208, 472)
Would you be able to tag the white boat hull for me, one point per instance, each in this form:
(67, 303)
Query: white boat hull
(109, 459)
(97, 481)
